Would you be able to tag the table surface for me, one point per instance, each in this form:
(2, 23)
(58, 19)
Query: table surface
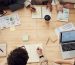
(37, 30)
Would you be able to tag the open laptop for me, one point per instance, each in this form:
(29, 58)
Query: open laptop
(67, 44)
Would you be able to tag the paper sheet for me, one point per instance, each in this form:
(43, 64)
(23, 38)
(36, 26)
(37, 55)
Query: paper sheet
(3, 49)
(33, 56)
(37, 14)
(63, 16)
(66, 27)
(45, 11)
(41, 11)
(9, 20)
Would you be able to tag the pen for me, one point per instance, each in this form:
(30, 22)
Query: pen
(47, 41)
(1, 50)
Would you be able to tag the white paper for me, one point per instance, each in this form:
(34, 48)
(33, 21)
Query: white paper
(3, 49)
(63, 16)
(37, 14)
(41, 11)
(31, 49)
(9, 20)
(66, 27)
(45, 11)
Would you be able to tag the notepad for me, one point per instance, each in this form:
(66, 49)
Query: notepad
(41, 11)
(63, 16)
(25, 38)
(31, 49)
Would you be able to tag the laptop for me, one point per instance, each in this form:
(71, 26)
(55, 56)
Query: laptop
(67, 44)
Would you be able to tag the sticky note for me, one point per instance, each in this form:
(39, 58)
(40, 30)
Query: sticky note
(12, 28)
(25, 38)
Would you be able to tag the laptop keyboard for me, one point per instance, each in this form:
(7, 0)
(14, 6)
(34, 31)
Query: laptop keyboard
(68, 46)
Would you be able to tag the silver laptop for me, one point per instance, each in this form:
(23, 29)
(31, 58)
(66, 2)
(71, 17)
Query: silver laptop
(67, 44)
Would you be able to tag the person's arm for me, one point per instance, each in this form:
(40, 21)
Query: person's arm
(69, 5)
(49, 5)
(42, 58)
(59, 6)
(70, 61)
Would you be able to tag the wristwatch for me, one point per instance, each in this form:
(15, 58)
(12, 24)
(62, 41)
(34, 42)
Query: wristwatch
(41, 56)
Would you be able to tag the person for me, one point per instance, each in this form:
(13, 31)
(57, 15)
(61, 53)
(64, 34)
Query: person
(70, 4)
(13, 5)
(30, 4)
(19, 56)
(67, 61)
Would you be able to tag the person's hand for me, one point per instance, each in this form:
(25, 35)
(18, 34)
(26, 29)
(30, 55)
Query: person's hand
(49, 6)
(32, 9)
(39, 51)
(69, 6)
(59, 7)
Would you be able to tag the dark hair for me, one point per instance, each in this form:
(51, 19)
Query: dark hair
(18, 56)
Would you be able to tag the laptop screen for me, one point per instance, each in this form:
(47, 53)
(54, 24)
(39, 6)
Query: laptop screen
(68, 40)
(68, 36)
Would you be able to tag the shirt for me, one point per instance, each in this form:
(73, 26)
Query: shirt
(35, 2)
(71, 1)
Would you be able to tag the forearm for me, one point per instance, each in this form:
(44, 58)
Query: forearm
(74, 5)
(65, 61)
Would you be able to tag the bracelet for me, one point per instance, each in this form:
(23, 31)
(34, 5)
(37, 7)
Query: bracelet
(41, 56)
(74, 5)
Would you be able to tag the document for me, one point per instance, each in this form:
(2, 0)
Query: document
(63, 16)
(9, 20)
(31, 49)
(37, 14)
(65, 27)
(41, 11)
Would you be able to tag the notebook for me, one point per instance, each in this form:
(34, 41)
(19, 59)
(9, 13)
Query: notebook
(41, 11)
(31, 49)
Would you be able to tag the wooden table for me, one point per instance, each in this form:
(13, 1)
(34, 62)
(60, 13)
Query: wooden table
(38, 32)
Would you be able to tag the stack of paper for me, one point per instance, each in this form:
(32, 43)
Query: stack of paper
(63, 16)
(41, 12)
(9, 20)
(31, 49)
(66, 27)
